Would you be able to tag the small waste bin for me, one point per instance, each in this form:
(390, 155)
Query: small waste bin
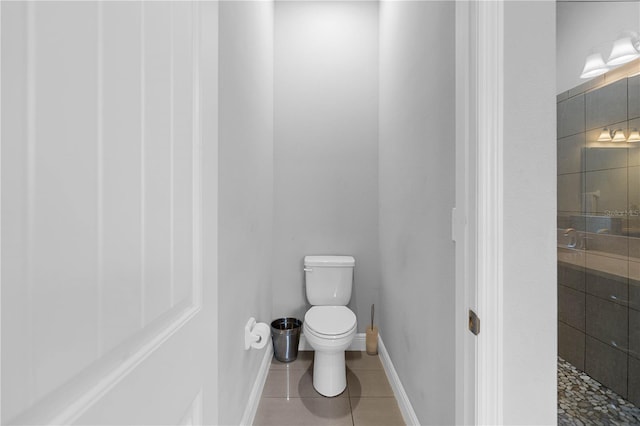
(285, 333)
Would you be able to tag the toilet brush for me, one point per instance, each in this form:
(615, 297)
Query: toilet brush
(372, 313)
(372, 336)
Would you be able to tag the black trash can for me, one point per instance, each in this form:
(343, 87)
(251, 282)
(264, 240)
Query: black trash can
(285, 333)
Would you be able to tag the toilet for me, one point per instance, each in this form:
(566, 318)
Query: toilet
(329, 326)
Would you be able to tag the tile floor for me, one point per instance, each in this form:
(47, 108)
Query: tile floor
(288, 397)
(584, 401)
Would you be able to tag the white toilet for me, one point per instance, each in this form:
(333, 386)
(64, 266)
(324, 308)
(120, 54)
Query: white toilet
(329, 326)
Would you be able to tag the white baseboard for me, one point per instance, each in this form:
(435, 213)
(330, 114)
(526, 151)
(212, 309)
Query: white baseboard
(358, 344)
(251, 409)
(404, 404)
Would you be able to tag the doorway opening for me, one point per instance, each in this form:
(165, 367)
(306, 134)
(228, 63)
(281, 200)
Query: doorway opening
(598, 221)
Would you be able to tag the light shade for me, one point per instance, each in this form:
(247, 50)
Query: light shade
(623, 51)
(634, 136)
(618, 136)
(605, 135)
(594, 66)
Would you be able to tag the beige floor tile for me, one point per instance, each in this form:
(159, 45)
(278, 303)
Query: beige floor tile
(376, 412)
(288, 397)
(302, 362)
(361, 361)
(292, 384)
(368, 383)
(303, 412)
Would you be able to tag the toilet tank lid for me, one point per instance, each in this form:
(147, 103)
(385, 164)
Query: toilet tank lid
(336, 261)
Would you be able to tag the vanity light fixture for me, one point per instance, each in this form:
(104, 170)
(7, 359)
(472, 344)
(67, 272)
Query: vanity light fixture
(594, 66)
(618, 136)
(634, 136)
(605, 135)
(623, 51)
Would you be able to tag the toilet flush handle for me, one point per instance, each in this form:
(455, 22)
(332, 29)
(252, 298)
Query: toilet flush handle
(308, 269)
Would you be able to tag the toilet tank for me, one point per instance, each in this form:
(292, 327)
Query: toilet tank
(329, 279)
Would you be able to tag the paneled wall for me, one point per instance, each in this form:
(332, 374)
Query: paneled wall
(599, 197)
(100, 186)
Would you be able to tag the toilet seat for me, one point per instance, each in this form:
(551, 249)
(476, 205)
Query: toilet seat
(330, 321)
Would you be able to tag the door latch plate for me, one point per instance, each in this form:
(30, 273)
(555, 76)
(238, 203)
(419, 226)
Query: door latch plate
(474, 322)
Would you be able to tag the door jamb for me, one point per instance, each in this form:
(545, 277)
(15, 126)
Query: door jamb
(479, 198)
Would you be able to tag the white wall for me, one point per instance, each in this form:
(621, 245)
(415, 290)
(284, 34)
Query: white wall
(529, 294)
(245, 192)
(326, 152)
(586, 25)
(417, 178)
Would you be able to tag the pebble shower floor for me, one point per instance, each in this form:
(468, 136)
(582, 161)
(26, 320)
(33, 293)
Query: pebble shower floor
(584, 401)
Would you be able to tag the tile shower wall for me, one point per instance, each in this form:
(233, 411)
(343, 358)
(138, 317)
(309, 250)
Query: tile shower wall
(599, 263)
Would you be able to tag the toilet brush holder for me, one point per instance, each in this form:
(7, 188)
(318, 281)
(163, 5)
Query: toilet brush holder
(372, 341)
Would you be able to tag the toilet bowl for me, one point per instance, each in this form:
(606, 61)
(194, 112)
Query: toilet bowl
(329, 331)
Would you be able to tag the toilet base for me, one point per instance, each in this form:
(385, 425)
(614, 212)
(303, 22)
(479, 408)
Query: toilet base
(329, 373)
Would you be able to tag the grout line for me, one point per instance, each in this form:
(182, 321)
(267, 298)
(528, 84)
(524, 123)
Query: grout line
(1, 399)
(598, 170)
(628, 256)
(353, 422)
(142, 167)
(171, 158)
(31, 183)
(100, 177)
(583, 205)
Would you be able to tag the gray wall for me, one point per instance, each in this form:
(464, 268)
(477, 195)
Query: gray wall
(417, 178)
(529, 293)
(245, 193)
(326, 151)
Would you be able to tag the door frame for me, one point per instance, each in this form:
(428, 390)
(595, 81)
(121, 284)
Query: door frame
(477, 219)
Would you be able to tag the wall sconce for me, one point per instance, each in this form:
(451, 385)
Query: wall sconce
(594, 66)
(634, 136)
(623, 51)
(605, 135)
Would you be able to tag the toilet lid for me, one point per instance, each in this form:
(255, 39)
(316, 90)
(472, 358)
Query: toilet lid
(330, 320)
